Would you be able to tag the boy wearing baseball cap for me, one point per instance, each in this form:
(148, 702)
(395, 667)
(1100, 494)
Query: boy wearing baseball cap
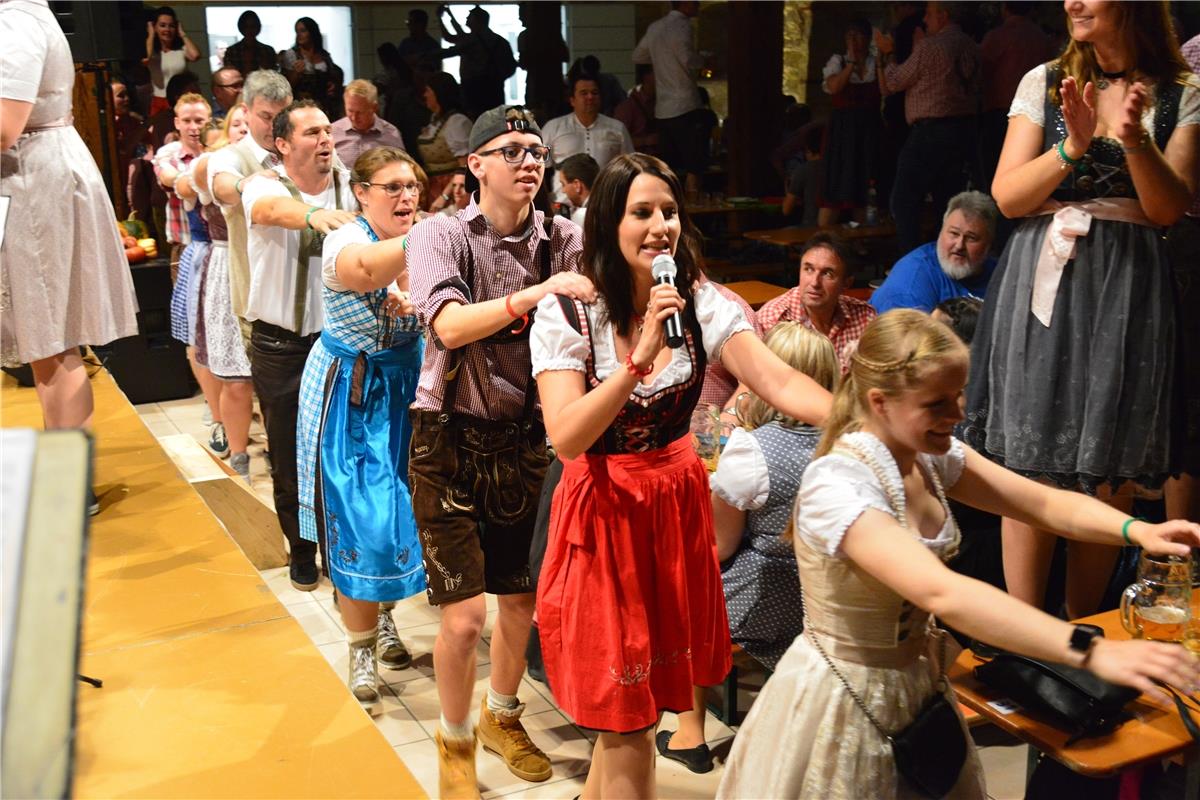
(478, 453)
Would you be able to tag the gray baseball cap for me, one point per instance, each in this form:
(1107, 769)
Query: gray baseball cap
(500, 120)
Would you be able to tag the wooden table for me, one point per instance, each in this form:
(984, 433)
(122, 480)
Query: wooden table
(1154, 734)
(794, 237)
(755, 293)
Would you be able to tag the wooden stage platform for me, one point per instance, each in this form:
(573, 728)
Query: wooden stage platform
(211, 689)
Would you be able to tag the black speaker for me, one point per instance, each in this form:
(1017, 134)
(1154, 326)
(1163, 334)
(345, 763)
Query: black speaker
(102, 31)
(151, 366)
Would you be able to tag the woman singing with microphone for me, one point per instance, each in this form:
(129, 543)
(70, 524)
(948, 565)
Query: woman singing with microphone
(630, 604)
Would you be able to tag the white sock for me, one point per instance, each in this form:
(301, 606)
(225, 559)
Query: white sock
(501, 702)
(359, 638)
(460, 730)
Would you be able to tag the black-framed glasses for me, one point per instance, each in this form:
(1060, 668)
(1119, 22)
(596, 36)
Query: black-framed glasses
(237, 85)
(515, 154)
(394, 190)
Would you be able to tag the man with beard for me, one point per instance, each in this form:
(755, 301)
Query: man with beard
(956, 265)
(285, 218)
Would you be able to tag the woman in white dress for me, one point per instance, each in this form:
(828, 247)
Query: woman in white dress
(873, 532)
(64, 280)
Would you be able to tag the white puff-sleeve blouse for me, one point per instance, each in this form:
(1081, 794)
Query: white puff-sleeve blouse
(837, 489)
(554, 344)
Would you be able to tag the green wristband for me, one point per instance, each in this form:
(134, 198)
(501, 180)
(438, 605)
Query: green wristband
(1125, 528)
(308, 216)
(404, 243)
(1062, 153)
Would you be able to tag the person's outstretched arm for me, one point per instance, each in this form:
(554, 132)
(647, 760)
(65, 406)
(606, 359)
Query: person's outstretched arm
(892, 555)
(989, 486)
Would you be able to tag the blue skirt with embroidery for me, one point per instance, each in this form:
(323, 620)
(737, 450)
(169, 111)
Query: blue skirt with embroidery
(361, 497)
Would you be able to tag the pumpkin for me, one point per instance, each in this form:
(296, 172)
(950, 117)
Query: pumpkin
(135, 254)
(135, 227)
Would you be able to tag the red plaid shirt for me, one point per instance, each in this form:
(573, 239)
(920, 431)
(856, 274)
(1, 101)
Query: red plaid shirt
(719, 382)
(940, 78)
(494, 377)
(849, 320)
(178, 231)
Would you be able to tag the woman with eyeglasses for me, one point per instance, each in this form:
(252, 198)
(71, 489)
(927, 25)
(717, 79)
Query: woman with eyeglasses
(353, 429)
(443, 142)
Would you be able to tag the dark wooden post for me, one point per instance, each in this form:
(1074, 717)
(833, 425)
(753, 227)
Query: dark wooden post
(755, 94)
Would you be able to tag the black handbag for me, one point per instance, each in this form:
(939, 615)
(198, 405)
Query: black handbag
(929, 751)
(1075, 700)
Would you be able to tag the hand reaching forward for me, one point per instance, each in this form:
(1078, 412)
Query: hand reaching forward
(1139, 664)
(1174, 537)
(1079, 114)
(327, 220)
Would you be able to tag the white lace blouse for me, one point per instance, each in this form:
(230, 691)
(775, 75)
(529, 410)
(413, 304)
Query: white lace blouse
(1030, 101)
(837, 489)
(555, 345)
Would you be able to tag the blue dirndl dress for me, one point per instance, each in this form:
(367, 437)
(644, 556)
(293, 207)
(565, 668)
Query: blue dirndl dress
(352, 441)
(185, 293)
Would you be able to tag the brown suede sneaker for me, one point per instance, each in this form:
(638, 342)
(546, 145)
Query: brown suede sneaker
(456, 769)
(503, 735)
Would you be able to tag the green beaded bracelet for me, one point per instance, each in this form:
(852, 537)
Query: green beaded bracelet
(1062, 154)
(1125, 528)
(308, 216)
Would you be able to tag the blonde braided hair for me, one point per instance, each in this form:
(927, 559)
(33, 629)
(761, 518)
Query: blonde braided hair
(893, 356)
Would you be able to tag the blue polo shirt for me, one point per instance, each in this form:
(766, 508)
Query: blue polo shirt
(918, 281)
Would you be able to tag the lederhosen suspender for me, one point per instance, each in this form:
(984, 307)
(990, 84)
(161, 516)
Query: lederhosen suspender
(310, 246)
(458, 356)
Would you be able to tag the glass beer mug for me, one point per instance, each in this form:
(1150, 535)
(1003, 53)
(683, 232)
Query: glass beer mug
(1158, 605)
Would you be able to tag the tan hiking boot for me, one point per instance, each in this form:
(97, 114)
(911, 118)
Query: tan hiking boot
(456, 769)
(504, 735)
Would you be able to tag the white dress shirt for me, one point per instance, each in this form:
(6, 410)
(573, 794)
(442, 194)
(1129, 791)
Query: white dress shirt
(274, 253)
(603, 140)
(667, 45)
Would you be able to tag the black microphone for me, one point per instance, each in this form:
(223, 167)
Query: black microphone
(663, 270)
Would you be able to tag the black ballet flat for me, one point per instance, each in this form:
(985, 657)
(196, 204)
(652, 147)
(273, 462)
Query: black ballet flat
(696, 759)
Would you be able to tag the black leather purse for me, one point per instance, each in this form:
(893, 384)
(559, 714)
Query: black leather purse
(1074, 699)
(930, 751)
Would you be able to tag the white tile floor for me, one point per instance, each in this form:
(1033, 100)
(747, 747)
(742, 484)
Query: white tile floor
(410, 706)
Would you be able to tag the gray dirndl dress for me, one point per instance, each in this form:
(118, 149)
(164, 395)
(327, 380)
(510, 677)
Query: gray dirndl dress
(1091, 398)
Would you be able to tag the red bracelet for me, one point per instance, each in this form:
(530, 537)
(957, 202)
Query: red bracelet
(634, 369)
(523, 317)
(508, 307)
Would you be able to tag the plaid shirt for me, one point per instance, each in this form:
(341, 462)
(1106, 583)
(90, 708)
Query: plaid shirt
(849, 320)
(177, 159)
(719, 382)
(940, 78)
(493, 377)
